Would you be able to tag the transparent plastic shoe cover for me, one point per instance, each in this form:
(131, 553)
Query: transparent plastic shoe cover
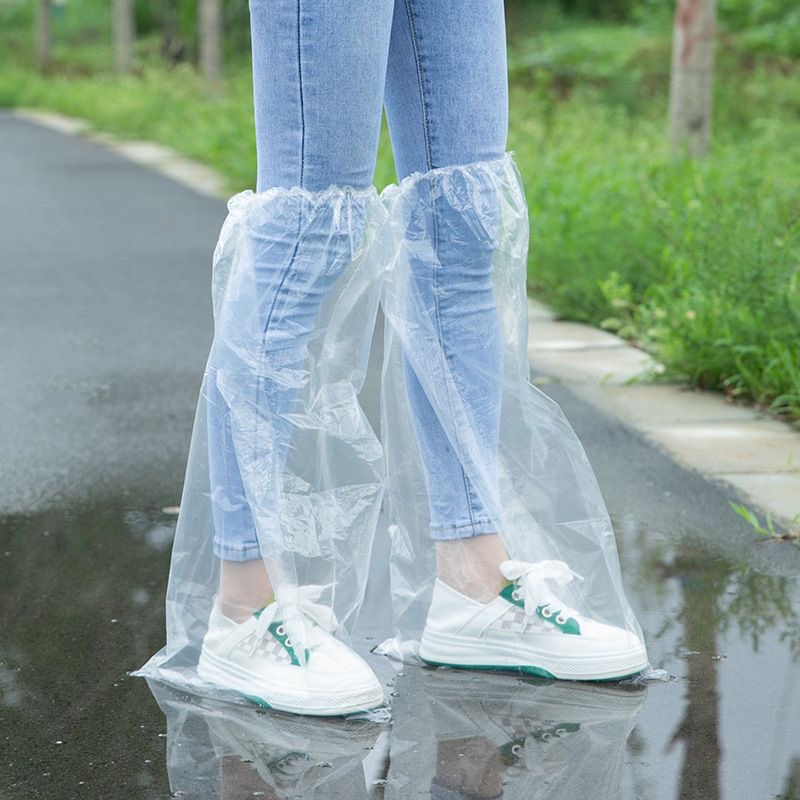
(283, 464)
(472, 447)
(284, 469)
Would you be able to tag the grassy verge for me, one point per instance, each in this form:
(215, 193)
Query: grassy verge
(699, 263)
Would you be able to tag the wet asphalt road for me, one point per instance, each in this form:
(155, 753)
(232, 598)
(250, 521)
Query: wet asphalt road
(105, 324)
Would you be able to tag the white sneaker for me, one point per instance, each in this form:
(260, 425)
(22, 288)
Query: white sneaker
(526, 628)
(257, 659)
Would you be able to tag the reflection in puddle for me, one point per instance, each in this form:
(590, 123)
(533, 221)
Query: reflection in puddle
(454, 736)
(464, 735)
(217, 749)
(728, 615)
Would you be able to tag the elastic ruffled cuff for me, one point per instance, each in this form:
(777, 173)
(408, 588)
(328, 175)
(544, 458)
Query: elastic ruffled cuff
(499, 165)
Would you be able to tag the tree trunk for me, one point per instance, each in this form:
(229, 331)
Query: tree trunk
(692, 76)
(210, 39)
(171, 45)
(43, 33)
(124, 34)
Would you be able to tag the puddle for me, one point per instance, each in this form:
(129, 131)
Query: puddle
(81, 603)
(728, 631)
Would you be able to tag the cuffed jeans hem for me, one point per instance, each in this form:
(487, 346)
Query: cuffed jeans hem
(479, 527)
(237, 552)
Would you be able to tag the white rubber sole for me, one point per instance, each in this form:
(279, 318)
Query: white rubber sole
(446, 650)
(227, 675)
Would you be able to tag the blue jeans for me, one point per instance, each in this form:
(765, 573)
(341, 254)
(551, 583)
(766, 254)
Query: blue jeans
(323, 72)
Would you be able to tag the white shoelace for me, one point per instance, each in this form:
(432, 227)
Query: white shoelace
(294, 603)
(532, 579)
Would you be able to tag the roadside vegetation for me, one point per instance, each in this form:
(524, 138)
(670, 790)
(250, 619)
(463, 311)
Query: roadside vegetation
(696, 261)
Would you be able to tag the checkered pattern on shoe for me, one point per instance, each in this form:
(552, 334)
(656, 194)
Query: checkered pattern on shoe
(515, 620)
(267, 647)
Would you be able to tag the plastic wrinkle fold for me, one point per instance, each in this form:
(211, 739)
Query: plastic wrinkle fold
(284, 464)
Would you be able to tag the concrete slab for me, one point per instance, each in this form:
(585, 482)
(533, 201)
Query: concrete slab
(724, 447)
(561, 335)
(739, 445)
(189, 173)
(614, 365)
(653, 403)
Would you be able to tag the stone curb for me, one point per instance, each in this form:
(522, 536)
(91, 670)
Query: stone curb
(753, 453)
(194, 176)
(747, 449)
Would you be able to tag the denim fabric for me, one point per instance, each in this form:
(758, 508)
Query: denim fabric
(293, 248)
(323, 72)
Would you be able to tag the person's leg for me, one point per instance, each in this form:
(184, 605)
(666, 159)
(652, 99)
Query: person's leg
(463, 233)
(285, 431)
(447, 104)
(318, 72)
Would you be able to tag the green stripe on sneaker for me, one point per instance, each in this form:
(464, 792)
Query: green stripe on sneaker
(569, 625)
(259, 701)
(525, 670)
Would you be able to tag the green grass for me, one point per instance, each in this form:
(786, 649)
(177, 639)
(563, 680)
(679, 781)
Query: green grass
(698, 262)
